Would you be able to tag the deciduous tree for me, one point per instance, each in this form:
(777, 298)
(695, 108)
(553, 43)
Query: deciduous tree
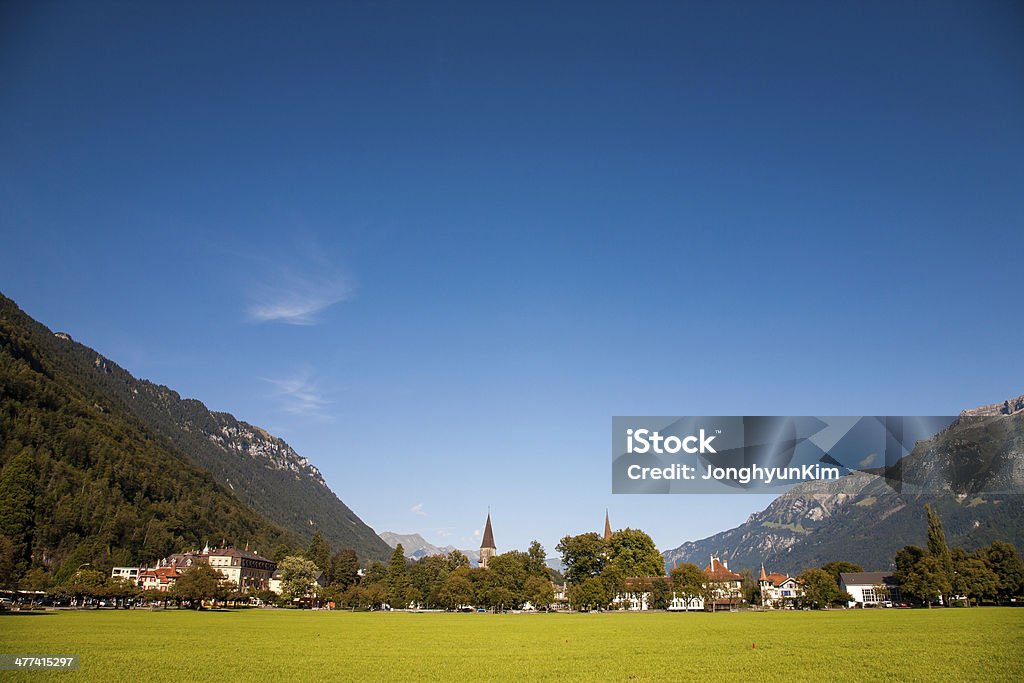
(820, 591)
(298, 577)
(688, 581)
(589, 594)
(633, 553)
(583, 556)
(200, 582)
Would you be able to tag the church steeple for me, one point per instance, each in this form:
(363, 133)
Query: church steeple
(607, 526)
(487, 547)
(764, 577)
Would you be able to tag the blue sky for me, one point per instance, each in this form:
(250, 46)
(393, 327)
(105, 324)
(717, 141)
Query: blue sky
(437, 246)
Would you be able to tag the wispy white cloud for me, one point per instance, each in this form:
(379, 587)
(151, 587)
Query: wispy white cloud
(297, 298)
(300, 395)
(417, 509)
(295, 284)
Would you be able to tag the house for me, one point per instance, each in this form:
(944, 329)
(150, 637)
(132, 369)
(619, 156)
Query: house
(778, 590)
(870, 588)
(132, 574)
(159, 578)
(636, 593)
(726, 586)
(244, 568)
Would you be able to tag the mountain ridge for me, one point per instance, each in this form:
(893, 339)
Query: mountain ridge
(417, 547)
(85, 481)
(972, 473)
(259, 469)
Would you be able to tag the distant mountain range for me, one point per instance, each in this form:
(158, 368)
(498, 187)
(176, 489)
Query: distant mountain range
(45, 373)
(972, 472)
(416, 547)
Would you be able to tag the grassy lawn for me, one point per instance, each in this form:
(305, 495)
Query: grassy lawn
(254, 645)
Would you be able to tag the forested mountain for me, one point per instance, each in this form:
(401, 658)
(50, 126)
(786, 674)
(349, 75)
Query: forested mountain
(103, 468)
(972, 473)
(261, 470)
(85, 481)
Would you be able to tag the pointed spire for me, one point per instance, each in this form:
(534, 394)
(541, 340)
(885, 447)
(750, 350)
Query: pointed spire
(764, 577)
(488, 541)
(607, 526)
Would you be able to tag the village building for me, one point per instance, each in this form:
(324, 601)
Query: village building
(778, 590)
(244, 568)
(132, 574)
(487, 547)
(159, 578)
(870, 589)
(247, 570)
(725, 589)
(725, 586)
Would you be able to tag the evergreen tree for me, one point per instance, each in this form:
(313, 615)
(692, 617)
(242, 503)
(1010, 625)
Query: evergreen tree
(938, 549)
(320, 552)
(344, 568)
(397, 581)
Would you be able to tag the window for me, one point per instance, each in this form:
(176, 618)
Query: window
(869, 595)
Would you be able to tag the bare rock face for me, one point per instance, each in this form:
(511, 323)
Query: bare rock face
(1007, 407)
(973, 472)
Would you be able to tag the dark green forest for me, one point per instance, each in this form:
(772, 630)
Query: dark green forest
(291, 494)
(84, 481)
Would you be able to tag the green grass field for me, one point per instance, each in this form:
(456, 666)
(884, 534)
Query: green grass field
(255, 645)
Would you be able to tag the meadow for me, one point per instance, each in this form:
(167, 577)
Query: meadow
(256, 645)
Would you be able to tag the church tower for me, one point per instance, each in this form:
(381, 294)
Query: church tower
(487, 549)
(607, 526)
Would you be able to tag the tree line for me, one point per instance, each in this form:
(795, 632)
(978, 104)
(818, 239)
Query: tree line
(940, 574)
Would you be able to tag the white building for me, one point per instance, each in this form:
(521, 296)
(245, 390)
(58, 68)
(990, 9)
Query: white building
(870, 588)
(778, 590)
(131, 573)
